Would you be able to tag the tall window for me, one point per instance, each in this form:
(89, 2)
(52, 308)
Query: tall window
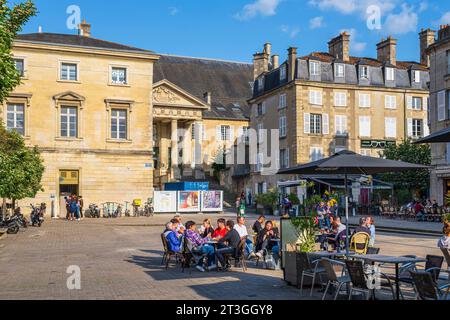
(314, 68)
(316, 153)
(417, 128)
(364, 100)
(315, 97)
(341, 125)
(283, 101)
(339, 70)
(69, 122)
(20, 66)
(316, 124)
(118, 124)
(340, 99)
(69, 71)
(225, 133)
(390, 74)
(283, 72)
(15, 118)
(364, 72)
(282, 125)
(261, 109)
(391, 127)
(390, 102)
(365, 126)
(417, 103)
(416, 76)
(261, 84)
(284, 158)
(118, 75)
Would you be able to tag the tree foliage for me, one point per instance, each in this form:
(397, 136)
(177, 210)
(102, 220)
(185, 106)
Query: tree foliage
(412, 180)
(21, 168)
(12, 20)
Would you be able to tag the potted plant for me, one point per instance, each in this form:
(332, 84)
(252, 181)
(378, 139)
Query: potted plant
(268, 200)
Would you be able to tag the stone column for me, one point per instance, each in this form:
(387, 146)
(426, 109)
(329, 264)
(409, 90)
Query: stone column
(174, 145)
(187, 150)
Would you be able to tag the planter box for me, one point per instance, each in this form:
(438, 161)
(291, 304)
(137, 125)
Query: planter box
(293, 272)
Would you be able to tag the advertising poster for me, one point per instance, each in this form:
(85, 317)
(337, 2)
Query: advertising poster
(189, 201)
(212, 201)
(165, 201)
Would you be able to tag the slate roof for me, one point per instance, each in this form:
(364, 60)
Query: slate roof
(403, 76)
(77, 41)
(230, 83)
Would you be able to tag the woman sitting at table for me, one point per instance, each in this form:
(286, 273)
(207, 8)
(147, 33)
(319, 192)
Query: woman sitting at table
(206, 230)
(267, 240)
(229, 243)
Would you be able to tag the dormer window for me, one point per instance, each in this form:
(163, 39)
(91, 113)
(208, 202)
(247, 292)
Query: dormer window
(314, 68)
(364, 72)
(339, 70)
(416, 76)
(261, 84)
(283, 73)
(390, 74)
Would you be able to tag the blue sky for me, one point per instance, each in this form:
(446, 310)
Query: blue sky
(235, 29)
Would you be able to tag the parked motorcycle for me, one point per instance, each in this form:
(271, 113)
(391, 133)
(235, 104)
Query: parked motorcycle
(11, 224)
(23, 222)
(37, 215)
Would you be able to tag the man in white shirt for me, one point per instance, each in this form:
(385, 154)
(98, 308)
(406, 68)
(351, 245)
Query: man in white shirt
(243, 233)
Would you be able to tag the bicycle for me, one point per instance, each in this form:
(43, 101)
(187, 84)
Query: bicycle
(148, 209)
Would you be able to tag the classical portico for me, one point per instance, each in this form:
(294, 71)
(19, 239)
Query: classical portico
(177, 149)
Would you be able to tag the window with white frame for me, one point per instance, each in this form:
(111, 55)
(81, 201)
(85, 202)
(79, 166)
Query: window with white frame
(364, 100)
(246, 135)
(15, 118)
(339, 70)
(282, 127)
(416, 76)
(283, 73)
(259, 162)
(391, 127)
(20, 66)
(364, 72)
(316, 153)
(314, 68)
(316, 123)
(119, 124)
(390, 74)
(284, 158)
(365, 126)
(261, 109)
(260, 129)
(417, 128)
(261, 84)
(69, 122)
(341, 125)
(441, 105)
(119, 75)
(391, 102)
(417, 103)
(315, 97)
(283, 101)
(225, 133)
(69, 71)
(340, 99)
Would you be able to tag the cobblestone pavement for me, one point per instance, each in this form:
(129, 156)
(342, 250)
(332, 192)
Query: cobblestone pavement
(120, 259)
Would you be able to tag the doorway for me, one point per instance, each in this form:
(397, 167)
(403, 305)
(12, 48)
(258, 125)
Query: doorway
(68, 185)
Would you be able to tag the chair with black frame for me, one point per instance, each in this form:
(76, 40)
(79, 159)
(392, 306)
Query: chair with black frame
(372, 250)
(426, 288)
(309, 269)
(168, 254)
(190, 253)
(239, 255)
(333, 279)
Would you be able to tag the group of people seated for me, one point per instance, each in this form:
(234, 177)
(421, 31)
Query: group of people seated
(215, 244)
(336, 235)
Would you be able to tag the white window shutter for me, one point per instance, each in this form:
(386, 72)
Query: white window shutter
(264, 107)
(231, 134)
(325, 124)
(240, 138)
(425, 104)
(409, 102)
(410, 127)
(265, 187)
(256, 188)
(311, 97)
(441, 106)
(219, 133)
(307, 123)
(426, 130)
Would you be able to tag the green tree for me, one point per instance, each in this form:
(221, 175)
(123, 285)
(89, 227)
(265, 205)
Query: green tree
(12, 20)
(21, 168)
(412, 180)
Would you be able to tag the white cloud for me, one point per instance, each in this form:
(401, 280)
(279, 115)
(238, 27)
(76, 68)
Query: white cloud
(445, 18)
(259, 7)
(173, 11)
(355, 46)
(316, 23)
(291, 31)
(354, 6)
(423, 6)
(405, 21)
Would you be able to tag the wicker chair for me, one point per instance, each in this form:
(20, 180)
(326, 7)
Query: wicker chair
(360, 243)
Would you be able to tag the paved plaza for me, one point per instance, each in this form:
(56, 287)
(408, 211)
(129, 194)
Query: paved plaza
(120, 259)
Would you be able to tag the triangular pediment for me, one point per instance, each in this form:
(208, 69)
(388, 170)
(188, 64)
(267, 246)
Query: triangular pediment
(168, 94)
(69, 96)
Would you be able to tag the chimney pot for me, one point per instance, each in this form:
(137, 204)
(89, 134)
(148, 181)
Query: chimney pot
(207, 96)
(84, 29)
(275, 61)
(292, 62)
(339, 47)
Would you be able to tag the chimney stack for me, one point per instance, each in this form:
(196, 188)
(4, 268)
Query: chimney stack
(387, 51)
(339, 47)
(275, 61)
(292, 61)
(261, 61)
(444, 31)
(207, 96)
(427, 38)
(84, 29)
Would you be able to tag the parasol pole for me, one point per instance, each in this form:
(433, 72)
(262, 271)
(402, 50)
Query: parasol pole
(347, 231)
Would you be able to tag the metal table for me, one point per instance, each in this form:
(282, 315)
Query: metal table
(397, 261)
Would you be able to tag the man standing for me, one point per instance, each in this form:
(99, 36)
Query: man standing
(230, 244)
(81, 202)
(243, 233)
